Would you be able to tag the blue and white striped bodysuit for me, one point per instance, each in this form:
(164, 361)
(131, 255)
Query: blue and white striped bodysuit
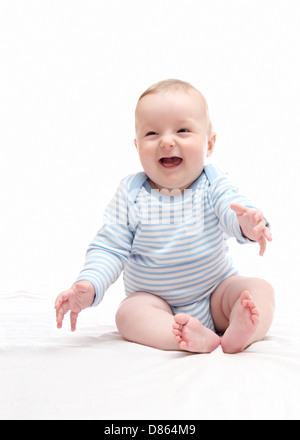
(171, 246)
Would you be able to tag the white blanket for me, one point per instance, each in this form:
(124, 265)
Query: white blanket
(93, 373)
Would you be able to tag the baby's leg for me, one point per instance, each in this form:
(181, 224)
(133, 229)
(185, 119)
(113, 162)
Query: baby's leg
(147, 319)
(243, 308)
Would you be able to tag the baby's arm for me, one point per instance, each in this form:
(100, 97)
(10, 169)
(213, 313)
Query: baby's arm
(79, 297)
(253, 225)
(105, 260)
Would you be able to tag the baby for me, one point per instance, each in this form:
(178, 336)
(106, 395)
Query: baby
(167, 229)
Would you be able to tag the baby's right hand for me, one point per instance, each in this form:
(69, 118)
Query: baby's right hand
(79, 297)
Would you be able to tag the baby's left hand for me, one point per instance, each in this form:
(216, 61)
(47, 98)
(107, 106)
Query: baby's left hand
(253, 225)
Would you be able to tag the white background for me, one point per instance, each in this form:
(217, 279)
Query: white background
(70, 75)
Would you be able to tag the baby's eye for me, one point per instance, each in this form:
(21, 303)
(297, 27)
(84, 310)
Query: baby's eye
(183, 130)
(151, 133)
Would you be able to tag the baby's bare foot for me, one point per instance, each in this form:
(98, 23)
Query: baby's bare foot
(192, 336)
(242, 327)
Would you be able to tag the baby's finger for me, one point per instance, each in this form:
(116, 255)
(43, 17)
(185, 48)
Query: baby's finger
(258, 216)
(58, 302)
(260, 227)
(268, 234)
(59, 317)
(73, 319)
(64, 296)
(263, 245)
(60, 313)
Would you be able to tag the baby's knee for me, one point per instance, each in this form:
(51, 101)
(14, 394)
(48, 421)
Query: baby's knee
(267, 288)
(122, 314)
(266, 291)
(129, 307)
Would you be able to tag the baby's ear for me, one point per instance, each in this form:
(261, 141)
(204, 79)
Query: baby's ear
(211, 143)
(135, 143)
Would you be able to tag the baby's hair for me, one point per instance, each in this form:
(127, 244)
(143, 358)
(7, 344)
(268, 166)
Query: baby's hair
(176, 84)
(167, 84)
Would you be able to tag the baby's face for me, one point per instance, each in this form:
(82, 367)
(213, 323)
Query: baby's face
(172, 138)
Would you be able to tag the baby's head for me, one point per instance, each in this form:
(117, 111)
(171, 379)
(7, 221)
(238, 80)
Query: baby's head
(173, 134)
(173, 85)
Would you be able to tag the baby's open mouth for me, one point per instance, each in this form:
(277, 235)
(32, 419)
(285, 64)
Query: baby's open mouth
(170, 162)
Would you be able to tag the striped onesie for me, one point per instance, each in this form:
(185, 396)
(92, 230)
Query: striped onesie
(173, 246)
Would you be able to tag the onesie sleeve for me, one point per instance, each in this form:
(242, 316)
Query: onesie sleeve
(222, 193)
(108, 252)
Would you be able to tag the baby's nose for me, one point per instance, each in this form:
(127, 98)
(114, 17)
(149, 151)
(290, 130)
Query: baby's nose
(167, 142)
